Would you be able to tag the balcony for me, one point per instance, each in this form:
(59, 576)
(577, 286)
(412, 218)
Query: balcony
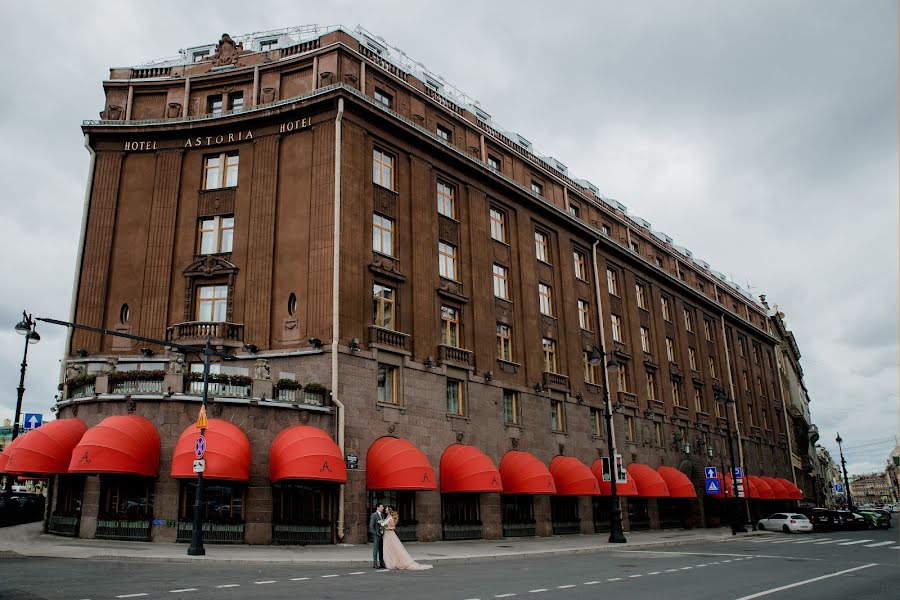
(628, 399)
(813, 434)
(220, 334)
(451, 355)
(388, 338)
(555, 381)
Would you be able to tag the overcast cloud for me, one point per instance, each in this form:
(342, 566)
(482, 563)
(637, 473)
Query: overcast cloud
(761, 135)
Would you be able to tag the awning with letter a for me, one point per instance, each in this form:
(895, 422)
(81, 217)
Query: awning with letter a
(227, 453)
(468, 469)
(121, 444)
(306, 452)
(522, 473)
(396, 464)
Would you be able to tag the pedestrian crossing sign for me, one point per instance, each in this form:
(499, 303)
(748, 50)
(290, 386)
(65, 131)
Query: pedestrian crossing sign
(713, 486)
(201, 418)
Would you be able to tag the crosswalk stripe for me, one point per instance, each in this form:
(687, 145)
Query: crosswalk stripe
(854, 542)
(879, 544)
(835, 541)
(895, 547)
(788, 541)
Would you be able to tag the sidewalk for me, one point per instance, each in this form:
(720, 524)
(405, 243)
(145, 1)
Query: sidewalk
(27, 540)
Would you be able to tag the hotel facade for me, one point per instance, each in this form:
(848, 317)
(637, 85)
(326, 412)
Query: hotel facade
(413, 297)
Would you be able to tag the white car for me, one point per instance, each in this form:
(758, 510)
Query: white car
(786, 522)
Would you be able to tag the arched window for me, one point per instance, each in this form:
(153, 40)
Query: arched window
(292, 304)
(124, 313)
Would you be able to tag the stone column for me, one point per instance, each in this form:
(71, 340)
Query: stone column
(258, 527)
(653, 512)
(90, 507)
(491, 516)
(542, 516)
(428, 513)
(586, 513)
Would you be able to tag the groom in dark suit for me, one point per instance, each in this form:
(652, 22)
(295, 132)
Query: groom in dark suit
(377, 532)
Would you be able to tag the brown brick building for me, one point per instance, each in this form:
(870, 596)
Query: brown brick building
(335, 216)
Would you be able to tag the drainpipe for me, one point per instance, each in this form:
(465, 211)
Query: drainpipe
(336, 304)
(737, 426)
(787, 425)
(612, 459)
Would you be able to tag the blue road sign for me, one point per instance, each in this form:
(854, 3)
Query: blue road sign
(200, 447)
(838, 487)
(711, 473)
(713, 486)
(32, 421)
(738, 472)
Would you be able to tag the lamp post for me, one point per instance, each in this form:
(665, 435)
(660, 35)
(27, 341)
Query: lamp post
(616, 535)
(24, 327)
(838, 439)
(737, 525)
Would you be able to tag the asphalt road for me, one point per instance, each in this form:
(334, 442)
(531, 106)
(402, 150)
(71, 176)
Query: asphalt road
(860, 565)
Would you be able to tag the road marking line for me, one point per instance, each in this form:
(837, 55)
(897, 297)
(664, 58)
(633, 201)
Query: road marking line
(591, 582)
(671, 570)
(503, 595)
(879, 544)
(358, 573)
(183, 590)
(131, 595)
(853, 543)
(788, 541)
(699, 566)
(633, 576)
(895, 547)
(229, 585)
(299, 578)
(614, 579)
(537, 590)
(835, 541)
(653, 573)
(565, 587)
(686, 568)
(327, 576)
(804, 582)
(265, 582)
(726, 561)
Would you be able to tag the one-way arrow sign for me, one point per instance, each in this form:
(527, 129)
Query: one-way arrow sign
(711, 473)
(33, 421)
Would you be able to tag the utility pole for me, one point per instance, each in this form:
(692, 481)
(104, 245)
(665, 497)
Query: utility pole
(844, 467)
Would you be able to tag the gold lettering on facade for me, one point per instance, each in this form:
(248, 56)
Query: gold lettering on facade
(298, 124)
(134, 146)
(197, 142)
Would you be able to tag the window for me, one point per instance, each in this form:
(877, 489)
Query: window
(580, 265)
(698, 400)
(742, 347)
(124, 313)
(751, 416)
(645, 340)
(266, 45)
(745, 381)
(511, 408)
(670, 349)
(545, 297)
(541, 247)
(640, 293)
(630, 433)
(214, 104)
(590, 371)
(688, 319)
(126, 498)
(549, 355)
(584, 314)
(199, 56)
(658, 434)
(712, 368)
(504, 342)
(759, 386)
(612, 282)
(708, 329)
(220, 170)
(444, 133)
(720, 411)
(616, 328)
(557, 415)
(387, 384)
(383, 235)
(446, 204)
(501, 282)
(449, 326)
(212, 303)
(596, 422)
(498, 225)
(622, 377)
(676, 394)
(769, 360)
(659, 262)
(607, 231)
(700, 287)
(292, 304)
(236, 102)
(447, 260)
(755, 354)
(383, 306)
(692, 359)
(455, 402)
(574, 210)
(635, 247)
(651, 386)
(765, 419)
(382, 169)
(215, 235)
(537, 188)
(493, 163)
(383, 98)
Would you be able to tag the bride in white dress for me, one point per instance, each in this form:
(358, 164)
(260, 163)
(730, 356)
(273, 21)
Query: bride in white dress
(395, 555)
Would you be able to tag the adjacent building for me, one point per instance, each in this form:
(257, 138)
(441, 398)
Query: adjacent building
(871, 488)
(418, 305)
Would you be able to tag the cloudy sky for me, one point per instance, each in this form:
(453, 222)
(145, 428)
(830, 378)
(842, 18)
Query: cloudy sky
(761, 135)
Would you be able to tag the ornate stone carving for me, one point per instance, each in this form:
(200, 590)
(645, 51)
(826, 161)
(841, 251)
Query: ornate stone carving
(327, 77)
(227, 51)
(351, 79)
(114, 112)
(562, 449)
(110, 365)
(262, 370)
(173, 110)
(74, 370)
(267, 95)
(130, 405)
(392, 427)
(459, 437)
(419, 118)
(304, 417)
(74, 410)
(194, 108)
(514, 443)
(448, 230)
(176, 364)
(215, 409)
(206, 267)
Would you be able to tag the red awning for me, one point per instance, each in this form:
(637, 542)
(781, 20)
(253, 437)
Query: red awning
(522, 473)
(46, 450)
(468, 469)
(779, 491)
(573, 478)
(764, 489)
(126, 445)
(306, 452)
(794, 493)
(227, 453)
(648, 482)
(395, 464)
(622, 489)
(677, 483)
(750, 489)
(7, 452)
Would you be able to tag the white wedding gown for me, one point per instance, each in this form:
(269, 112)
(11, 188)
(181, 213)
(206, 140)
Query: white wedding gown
(395, 555)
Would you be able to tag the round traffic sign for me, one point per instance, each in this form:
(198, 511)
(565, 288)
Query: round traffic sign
(200, 447)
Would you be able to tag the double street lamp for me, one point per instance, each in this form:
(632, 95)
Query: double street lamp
(737, 523)
(25, 327)
(616, 535)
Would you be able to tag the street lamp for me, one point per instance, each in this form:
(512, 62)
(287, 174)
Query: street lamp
(616, 535)
(24, 327)
(838, 439)
(737, 525)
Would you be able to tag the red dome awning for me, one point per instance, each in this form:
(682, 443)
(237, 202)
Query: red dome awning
(750, 489)
(125, 445)
(573, 478)
(46, 450)
(522, 473)
(764, 489)
(227, 453)
(622, 489)
(306, 452)
(779, 491)
(677, 483)
(793, 492)
(4, 456)
(395, 464)
(649, 483)
(468, 469)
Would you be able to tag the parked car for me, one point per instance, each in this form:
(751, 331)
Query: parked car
(850, 520)
(786, 522)
(875, 519)
(822, 519)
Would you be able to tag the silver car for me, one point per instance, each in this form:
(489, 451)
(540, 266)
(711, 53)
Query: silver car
(786, 522)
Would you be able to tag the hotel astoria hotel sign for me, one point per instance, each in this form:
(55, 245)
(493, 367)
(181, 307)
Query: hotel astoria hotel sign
(215, 140)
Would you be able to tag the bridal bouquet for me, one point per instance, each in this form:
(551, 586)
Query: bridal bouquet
(382, 524)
